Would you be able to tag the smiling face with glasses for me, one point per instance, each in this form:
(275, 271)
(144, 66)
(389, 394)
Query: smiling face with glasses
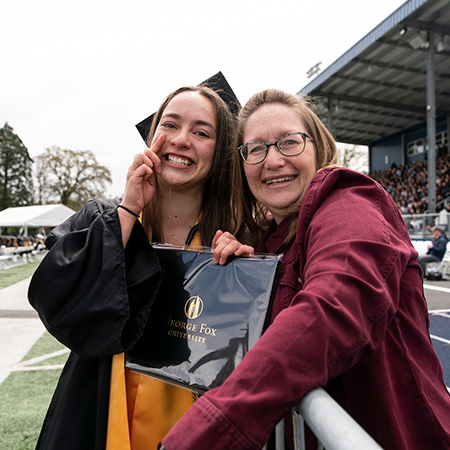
(279, 161)
(291, 144)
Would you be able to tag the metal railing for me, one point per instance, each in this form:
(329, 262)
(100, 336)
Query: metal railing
(333, 427)
(419, 225)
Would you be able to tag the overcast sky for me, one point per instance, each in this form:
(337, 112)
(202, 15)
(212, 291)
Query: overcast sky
(79, 75)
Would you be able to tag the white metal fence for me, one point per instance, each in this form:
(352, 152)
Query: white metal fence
(333, 427)
(16, 256)
(419, 225)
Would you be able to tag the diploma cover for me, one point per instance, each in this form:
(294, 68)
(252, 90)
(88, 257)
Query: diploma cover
(205, 317)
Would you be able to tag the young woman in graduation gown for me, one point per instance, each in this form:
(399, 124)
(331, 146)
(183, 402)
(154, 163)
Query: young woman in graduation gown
(94, 290)
(349, 313)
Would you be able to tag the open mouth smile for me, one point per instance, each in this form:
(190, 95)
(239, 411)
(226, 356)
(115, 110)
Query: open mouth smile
(278, 180)
(178, 161)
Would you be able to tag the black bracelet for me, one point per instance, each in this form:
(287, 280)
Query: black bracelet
(129, 210)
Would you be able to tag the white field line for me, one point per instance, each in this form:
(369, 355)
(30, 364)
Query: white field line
(440, 312)
(38, 359)
(445, 341)
(28, 365)
(34, 368)
(431, 287)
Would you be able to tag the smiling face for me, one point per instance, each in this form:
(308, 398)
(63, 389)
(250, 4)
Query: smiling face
(189, 124)
(279, 182)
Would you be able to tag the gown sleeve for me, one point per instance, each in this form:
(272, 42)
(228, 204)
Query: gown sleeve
(90, 293)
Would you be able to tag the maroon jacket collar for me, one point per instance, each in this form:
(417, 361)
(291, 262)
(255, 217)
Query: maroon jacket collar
(273, 238)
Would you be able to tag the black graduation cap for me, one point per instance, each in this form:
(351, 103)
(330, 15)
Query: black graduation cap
(217, 83)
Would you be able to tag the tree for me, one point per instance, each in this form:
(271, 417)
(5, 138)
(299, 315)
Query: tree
(69, 177)
(353, 157)
(16, 181)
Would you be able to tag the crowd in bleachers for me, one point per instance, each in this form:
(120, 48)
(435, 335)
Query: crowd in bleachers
(407, 185)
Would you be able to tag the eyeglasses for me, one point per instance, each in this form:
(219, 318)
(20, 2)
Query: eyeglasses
(291, 144)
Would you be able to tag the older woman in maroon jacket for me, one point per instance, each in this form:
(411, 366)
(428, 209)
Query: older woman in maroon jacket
(349, 312)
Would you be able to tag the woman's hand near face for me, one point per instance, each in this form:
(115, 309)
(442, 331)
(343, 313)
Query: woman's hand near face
(226, 245)
(140, 186)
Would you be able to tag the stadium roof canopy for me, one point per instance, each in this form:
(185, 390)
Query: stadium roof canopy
(379, 86)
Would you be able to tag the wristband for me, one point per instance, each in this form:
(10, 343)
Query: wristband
(129, 210)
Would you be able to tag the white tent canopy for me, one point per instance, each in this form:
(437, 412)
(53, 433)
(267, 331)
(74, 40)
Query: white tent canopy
(38, 216)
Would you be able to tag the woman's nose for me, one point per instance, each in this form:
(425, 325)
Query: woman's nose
(274, 157)
(181, 139)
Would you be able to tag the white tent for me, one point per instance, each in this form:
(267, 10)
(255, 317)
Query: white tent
(38, 216)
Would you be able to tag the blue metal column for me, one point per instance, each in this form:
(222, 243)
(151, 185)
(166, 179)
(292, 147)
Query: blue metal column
(431, 124)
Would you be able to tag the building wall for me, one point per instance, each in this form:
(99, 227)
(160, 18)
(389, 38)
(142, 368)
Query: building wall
(398, 149)
(385, 153)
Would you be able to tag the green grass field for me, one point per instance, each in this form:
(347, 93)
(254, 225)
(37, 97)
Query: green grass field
(17, 273)
(25, 395)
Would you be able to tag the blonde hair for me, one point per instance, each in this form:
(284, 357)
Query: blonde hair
(251, 211)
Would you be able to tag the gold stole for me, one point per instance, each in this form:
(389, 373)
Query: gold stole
(142, 410)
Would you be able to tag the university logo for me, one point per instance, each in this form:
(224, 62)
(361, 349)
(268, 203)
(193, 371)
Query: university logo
(193, 307)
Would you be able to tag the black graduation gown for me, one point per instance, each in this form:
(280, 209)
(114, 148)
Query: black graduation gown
(95, 298)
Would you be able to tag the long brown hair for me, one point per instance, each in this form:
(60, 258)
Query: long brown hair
(216, 205)
(248, 208)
